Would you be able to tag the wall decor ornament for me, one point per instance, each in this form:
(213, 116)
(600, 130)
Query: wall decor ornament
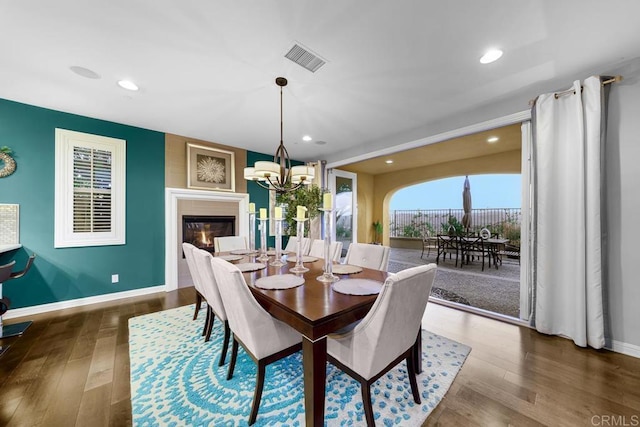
(210, 168)
(7, 164)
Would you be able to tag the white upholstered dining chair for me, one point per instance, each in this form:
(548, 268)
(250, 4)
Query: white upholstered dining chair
(214, 300)
(317, 249)
(230, 243)
(292, 245)
(187, 249)
(264, 338)
(366, 255)
(387, 334)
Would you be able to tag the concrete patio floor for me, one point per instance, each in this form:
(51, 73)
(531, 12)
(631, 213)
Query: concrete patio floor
(496, 290)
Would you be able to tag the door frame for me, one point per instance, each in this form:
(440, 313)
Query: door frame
(332, 174)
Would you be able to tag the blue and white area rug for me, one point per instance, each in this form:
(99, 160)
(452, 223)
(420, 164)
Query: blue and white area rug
(176, 380)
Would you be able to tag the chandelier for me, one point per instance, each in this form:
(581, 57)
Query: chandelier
(278, 175)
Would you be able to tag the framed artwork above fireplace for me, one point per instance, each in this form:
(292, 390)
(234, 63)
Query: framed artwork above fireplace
(210, 168)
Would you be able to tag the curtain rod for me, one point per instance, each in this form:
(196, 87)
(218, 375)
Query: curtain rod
(557, 95)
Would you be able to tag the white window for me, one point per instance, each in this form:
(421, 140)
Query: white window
(90, 190)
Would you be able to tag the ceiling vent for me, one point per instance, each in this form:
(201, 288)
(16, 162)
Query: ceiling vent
(305, 58)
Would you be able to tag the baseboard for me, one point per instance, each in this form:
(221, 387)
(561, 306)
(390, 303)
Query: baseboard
(624, 348)
(44, 308)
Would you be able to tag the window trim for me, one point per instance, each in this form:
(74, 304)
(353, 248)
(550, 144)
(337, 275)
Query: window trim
(64, 236)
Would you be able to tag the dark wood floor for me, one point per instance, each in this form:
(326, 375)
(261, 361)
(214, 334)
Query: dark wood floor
(72, 368)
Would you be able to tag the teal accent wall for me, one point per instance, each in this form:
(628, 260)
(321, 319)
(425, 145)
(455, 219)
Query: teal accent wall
(259, 195)
(70, 273)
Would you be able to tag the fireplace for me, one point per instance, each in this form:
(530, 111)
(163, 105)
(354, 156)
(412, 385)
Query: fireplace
(199, 230)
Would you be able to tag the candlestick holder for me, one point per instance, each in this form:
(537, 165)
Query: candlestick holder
(263, 240)
(299, 268)
(327, 276)
(252, 231)
(277, 261)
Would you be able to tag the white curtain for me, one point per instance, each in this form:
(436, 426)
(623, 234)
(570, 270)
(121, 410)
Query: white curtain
(568, 136)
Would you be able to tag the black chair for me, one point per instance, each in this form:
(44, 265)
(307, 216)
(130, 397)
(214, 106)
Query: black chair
(447, 245)
(471, 247)
(7, 274)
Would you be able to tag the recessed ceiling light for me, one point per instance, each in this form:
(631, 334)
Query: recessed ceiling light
(388, 161)
(306, 138)
(127, 84)
(84, 72)
(492, 139)
(490, 56)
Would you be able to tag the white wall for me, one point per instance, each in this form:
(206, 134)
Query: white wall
(623, 207)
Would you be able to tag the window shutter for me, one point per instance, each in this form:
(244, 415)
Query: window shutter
(93, 173)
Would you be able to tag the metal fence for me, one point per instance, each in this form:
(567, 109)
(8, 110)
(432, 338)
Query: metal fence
(504, 222)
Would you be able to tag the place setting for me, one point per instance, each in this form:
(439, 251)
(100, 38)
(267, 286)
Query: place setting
(346, 269)
(358, 287)
(246, 267)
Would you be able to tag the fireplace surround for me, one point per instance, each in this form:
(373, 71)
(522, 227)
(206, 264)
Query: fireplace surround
(173, 223)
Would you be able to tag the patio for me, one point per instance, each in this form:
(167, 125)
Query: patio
(493, 290)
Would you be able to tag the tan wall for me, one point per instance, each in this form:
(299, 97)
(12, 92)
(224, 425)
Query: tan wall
(385, 185)
(365, 192)
(175, 148)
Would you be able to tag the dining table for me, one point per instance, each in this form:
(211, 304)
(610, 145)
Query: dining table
(315, 310)
(492, 245)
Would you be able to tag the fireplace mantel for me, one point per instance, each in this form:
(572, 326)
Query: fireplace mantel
(172, 196)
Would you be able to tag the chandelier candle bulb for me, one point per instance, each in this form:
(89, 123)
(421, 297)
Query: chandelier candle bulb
(301, 212)
(263, 213)
(277, 212)
(252, 208)
(327, 201)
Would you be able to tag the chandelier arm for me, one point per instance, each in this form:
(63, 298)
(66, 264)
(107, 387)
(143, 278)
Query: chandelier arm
(262, 185)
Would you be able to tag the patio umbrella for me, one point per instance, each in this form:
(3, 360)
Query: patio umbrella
(466, 203)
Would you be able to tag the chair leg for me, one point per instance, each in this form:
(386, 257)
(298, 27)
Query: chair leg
(206, 321)
(257, 395)
(211, 318)
(198, 305)
(225, 343)
(366, 402)
(411, 368)
(234, 356)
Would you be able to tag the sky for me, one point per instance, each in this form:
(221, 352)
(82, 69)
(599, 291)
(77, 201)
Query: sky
(487, 191)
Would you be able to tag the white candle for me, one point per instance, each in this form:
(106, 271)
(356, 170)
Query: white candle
(278, 212)
(327, 201)
(252, 208)
(263, 213)
(301, 212)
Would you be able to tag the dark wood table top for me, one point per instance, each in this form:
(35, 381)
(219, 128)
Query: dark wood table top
(314, 308)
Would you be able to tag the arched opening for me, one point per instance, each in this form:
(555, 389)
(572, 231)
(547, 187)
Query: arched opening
(479, 267)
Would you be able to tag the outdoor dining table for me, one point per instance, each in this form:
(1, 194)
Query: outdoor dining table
(315, 310)
(492, 244)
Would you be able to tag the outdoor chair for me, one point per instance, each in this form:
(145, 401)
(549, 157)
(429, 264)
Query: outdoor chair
(510, 251)
(471, 247)
(428, 243)
(447, 245)
(386, 335)
(230, 243)
(211, 293)
(264, 338)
